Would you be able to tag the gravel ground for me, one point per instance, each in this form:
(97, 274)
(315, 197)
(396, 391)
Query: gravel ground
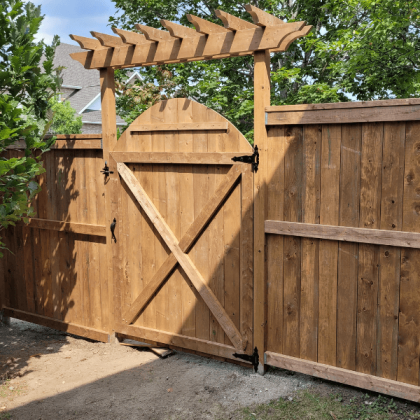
(47, 374)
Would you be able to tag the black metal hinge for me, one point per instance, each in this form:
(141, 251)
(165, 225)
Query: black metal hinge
(254, 358)
(106, 171)
(254, 159)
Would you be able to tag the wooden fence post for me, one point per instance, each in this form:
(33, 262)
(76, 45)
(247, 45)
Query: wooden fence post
(261, 100)
(109, 140)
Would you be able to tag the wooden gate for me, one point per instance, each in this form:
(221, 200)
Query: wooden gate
(183, 248)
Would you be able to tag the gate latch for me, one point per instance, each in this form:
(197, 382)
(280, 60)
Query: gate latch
(254, 159)
(106, 171)
(253, 358)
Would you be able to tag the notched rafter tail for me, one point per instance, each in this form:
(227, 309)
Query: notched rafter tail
(232, 22)
(129, 37)
(205, 27)
(87, 43)
(108, 40)
(262, 18)
(153, 34)
(180, 31)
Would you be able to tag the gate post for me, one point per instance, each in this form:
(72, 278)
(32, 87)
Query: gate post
(109, 141)
(261, 100)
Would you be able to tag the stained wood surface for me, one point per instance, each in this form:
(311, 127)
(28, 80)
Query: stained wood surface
(346, 234)
(358, 304)
(344, 376)
(209, 212)
(339, 115)
(85, 229)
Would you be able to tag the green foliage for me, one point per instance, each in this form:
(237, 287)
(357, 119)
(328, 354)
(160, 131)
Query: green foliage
(27, 83)
(64, 120)
(364, 50)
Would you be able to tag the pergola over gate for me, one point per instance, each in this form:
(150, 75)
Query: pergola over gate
(182, 44)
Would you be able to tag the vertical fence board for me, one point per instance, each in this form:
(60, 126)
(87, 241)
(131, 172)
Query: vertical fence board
(409, 319)
(328, 250)
(275, 211)
(311, 195)
(292, 246)
(390, 257)
(370, 214)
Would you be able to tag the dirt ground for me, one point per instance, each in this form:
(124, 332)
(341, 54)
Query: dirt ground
(58, 376)
(46, 374)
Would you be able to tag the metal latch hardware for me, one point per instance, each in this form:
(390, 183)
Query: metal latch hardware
(106, 171)
(254, 159)
(254, 358)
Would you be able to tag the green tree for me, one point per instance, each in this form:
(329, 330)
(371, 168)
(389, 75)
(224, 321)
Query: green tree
(64, 120)
(27, 83)
(358, 49)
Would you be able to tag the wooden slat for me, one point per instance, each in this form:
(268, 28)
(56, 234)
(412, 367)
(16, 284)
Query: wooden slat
(343, 233)
(311, 197)
(129, 37)
(261, 99)
(87, 43)
(64, 144)
(344, 376)
(285, 44)
(179, 126)
(368, 276)
(179, 340)
(176, 158)
(343, 105)
(205, 27)
(293, 167)
(390, 257)
(82, 228)
(107, 40)
(70, 328)
(183, 259)
(328, 251)
(153, 34)
(409, 314)
(344, 115)
(275, 260)
(180, 31)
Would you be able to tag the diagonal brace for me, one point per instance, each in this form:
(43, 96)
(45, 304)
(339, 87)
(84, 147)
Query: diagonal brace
(192, 234)
(183, 259)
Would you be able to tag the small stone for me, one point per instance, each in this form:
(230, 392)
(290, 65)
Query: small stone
(167, 377)
(290, 398)
(11, 388)
(64, 382)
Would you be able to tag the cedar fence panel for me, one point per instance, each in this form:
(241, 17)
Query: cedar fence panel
(346, 295)
(56, 272)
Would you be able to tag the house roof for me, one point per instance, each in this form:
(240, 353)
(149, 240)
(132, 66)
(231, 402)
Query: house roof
(86, 83)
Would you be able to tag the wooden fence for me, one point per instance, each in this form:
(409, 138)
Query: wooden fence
(56, 272)
(340, 298)
(343, 282)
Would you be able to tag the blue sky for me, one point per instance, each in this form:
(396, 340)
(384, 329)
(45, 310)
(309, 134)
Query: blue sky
(65, 17)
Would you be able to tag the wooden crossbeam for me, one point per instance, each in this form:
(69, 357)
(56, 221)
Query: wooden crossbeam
(180, 31)
(129, 37)
(87, 43)
(262, 18)
(232, 22)
(108, 40)
(215, 45)
(205, 27)
(182, 258)
(153, 34)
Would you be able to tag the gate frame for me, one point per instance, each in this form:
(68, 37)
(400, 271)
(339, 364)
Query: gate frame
(211, 41)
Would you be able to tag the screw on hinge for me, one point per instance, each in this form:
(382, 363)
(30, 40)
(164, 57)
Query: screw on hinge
(253, 358)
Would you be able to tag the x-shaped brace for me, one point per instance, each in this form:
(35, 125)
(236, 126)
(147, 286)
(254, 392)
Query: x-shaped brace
(179, 251)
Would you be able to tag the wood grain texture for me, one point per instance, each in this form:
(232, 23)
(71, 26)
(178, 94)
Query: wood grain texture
(293, 171)
(328, 250)
(180, 126)
(390, 257)
(370, 213)
(275, 210)
(409, 315)
(311, 201)
(344, 376)
(345, 234)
